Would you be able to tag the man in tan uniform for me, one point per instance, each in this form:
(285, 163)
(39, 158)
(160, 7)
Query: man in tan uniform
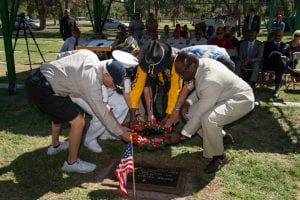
(220, 97)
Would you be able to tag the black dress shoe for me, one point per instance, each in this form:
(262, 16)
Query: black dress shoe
(276, 94)
(228, 139)
(216, 164)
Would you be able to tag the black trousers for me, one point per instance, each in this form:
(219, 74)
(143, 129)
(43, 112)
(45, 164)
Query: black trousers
(278, 65)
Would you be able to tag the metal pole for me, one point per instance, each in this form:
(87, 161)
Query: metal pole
(97, 14)
(271, 14)
(90, 14)
(297, 25)
(7, 24)
(287, 14)
(106, 14)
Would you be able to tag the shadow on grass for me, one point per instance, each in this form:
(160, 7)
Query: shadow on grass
(296, 92)
(105, 193)
(260, 130)
(37, 174)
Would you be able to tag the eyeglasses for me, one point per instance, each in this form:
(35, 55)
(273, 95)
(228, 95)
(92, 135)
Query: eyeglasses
(219, 33)
(297, 36)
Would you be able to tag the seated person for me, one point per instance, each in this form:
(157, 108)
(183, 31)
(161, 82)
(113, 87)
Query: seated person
(120, 39)
(251, 57)
(220, 39)
(177, 41)
(295, 45)
(73, 41)
(185, 32)
(277, 57)
(210, 33)
(121, 36)
(166, 34)
(199, 38)
(278, 24)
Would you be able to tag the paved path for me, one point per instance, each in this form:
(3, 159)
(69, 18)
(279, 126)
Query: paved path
(297, 104)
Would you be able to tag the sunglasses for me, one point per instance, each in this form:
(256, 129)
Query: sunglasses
(219, 33)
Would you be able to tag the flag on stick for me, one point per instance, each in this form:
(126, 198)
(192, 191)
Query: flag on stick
(125, 166)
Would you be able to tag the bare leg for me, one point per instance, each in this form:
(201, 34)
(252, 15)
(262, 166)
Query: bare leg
(56, 129)
(75, 135)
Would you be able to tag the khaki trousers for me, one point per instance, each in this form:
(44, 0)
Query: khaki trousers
(223, 113)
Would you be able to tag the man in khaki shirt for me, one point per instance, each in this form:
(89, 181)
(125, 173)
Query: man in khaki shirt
(77, 75)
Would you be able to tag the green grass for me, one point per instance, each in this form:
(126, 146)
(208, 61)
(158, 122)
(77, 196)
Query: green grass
(264, 161)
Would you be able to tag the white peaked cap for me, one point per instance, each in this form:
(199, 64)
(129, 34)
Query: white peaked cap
(127, 59)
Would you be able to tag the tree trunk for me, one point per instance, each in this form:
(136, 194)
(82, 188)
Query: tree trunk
(156, 9)
(227, 6)
(54, 19)
(66, 4)
(41, 6)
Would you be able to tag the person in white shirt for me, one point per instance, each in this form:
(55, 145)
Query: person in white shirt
(166, 34)
(177, 41)
(199, 38)
(73, 41)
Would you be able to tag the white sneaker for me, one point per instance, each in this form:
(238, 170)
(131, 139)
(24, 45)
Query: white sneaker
(93, 146)
(62, 146)
(79, 166)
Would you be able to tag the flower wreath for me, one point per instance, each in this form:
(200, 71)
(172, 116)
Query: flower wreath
(150, 135)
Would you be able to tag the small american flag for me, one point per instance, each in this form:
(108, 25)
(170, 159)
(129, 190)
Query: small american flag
(125, 166)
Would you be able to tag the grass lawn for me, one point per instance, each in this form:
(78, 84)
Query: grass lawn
(264, 160)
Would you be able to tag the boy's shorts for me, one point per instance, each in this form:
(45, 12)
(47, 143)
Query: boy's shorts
(60, 109)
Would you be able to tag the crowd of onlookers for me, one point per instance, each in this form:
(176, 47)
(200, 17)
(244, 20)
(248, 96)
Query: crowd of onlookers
(249, 54)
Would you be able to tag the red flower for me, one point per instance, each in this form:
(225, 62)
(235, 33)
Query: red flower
(143, 141)
(161, 133)
(148, 125)
(137, 127)
(135, 138)
(157, 140)
(154, 145)
(167, 128)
